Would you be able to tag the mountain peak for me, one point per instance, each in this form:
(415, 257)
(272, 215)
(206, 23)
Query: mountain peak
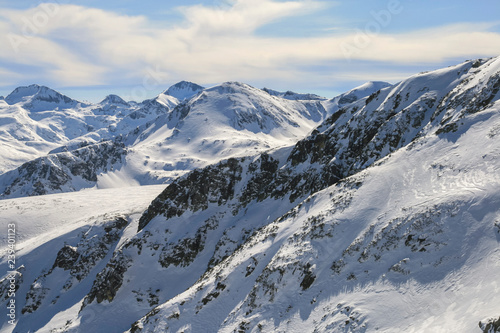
(115, 100)
(39, 94)
(19, 93)
(183, 90)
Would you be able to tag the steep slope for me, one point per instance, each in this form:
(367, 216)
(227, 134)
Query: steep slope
(362, 91)
(410, 244)
(329, 263)
(389, 202)
(82, 228)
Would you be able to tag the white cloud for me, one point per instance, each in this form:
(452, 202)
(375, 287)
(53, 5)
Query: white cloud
(85, 46)
(244, 17)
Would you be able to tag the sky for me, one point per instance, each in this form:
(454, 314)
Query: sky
(88, 49)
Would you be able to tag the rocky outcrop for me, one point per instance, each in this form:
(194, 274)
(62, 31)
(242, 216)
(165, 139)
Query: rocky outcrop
(78, 261)
(490, 325)
(213, 184)
(109, 280)
(58, 172)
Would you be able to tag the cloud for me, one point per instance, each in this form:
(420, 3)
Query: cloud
(244, 17)
(425, 46)
(77, 46)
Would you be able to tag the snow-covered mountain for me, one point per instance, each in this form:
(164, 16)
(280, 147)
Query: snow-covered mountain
(114, 100)
(160, 139)
(385, 217)
(36, 120)
(40, 98)
(183, 90)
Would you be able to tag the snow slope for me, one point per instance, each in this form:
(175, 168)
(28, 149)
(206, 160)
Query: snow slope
(384, 218)
(409, 245)
(54, 221)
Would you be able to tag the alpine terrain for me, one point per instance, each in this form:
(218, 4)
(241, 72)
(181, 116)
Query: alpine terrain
(237, 209)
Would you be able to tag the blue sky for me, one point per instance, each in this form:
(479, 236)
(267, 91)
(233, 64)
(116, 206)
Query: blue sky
(89, 48)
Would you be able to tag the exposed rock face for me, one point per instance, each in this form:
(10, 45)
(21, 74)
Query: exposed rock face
(58, 172)
(77, 262)
(490, 325)
(214, 184)
(15, 277)
(108, 281)
(66, 257)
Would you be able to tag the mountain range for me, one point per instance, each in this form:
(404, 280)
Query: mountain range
(237, 209)
(115, 143)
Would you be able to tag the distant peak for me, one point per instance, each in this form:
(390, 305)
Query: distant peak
(184, 84)
(24, 91)
(115, 100)
(35, 92)
(184, 90)
(293, 95)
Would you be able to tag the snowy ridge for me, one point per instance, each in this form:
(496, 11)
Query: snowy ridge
(364, 90)
(383, 218)
(64, 171)
(293, 96)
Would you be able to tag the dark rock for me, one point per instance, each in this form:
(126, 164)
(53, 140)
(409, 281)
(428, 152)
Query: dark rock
(490, 326)
(108, 281)
(66, 257)
(308, 279)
